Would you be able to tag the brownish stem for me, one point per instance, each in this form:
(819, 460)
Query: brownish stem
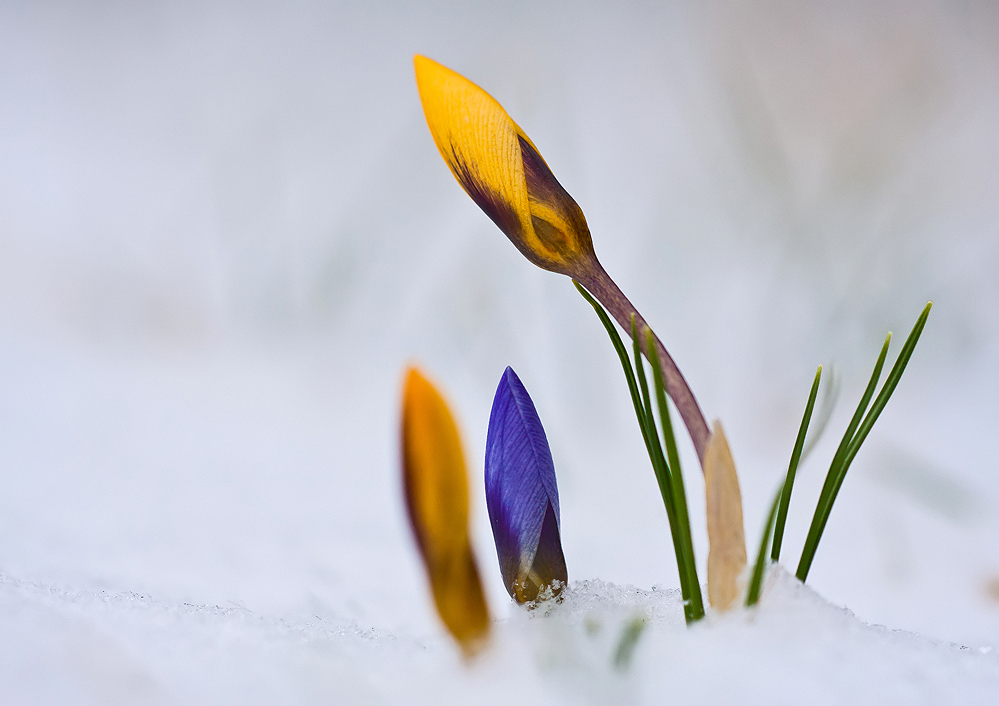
(604, 290)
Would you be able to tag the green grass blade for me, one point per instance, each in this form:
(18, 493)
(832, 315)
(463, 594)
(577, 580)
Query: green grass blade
(753, 594)
(669, 439)
(664, 477)
(676, 478)
(659, 464)
(855, 421)
(855, 437)
(622, 352)
(792, 468)
(626, 645)
(830, 395)
(824, 504)
(891, 382)
(651, 445)
(829, 488)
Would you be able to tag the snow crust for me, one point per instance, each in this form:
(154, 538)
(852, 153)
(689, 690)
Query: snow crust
(87, 646)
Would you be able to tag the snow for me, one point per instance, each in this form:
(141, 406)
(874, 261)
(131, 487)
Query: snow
(224, 231)
(89, 646)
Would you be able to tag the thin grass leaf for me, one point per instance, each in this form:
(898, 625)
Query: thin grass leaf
(829, 486)
(858, 415)
(643, 385)
(663, 476)
(851, 444)
(673, 456)
(830, 395)
(876, 408)
(785, 497)
(890, 383)
(753, 594)
(622, 353)
(626, 645)
(658, 463)
(679, 492)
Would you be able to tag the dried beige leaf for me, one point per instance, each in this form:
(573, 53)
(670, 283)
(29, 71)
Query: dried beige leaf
(726, 539)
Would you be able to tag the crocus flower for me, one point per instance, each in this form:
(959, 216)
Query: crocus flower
(500, 168)
(521, 495)
(436, 488)
(503, 172)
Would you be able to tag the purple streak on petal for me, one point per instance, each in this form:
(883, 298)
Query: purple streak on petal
(549, 561)
(543, 187)
(500, 211)
(521, 492)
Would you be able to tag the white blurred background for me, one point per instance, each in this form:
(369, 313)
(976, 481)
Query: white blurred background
(225, 230)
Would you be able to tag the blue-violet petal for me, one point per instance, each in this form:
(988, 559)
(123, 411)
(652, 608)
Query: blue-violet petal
(521, 494)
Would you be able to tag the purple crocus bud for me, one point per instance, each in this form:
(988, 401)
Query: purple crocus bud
(521, 495)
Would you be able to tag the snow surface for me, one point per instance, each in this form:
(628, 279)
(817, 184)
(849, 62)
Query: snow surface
(224, 231)
(102, 647)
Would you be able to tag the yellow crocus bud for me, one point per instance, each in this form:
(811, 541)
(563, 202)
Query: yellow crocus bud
(503, 172)
(436, 488)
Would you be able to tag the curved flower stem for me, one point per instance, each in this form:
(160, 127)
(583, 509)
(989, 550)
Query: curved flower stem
(604, 290)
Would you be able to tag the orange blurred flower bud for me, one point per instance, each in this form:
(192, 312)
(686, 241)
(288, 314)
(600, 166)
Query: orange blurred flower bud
(436, 488)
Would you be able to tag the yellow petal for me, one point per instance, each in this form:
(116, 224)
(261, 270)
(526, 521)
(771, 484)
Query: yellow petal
(436, 488)
(478, 141)
(726, 539)
(503, 172)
